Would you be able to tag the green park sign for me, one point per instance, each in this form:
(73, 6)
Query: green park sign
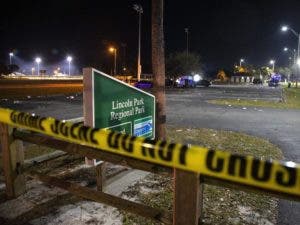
(112, 104)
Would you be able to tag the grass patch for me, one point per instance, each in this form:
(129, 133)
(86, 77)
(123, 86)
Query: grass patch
(291, 97)
(154, 191)
(221, 205)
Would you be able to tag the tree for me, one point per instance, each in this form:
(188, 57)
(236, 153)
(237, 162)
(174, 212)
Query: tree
(3, 69)
(246, 69)
(285, 72)
(222, 76)
(178, 64)
(158, 67)
(8, 69)
(295, 74)
(265, 72)
(13, 68)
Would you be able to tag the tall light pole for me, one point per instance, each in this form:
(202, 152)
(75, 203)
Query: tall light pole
(186, 30)
(241, 61)
(124, 45)
(286, 28)
(286, 49)
(10, 57)
(38, 60)
(139, 10)
(32, 70)
(293, 62)
(272, 62)
(114, 51)
(69, 59)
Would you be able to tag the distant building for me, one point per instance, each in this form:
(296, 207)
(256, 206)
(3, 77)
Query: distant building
(125, 78)
(147, 76)
(43, 72)
(241, 78)
(241, 75)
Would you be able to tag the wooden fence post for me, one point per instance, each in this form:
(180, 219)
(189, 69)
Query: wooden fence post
(100, 175)
(13, 161)
(187, 198)
(89, 121)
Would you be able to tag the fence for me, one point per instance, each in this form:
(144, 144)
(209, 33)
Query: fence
(192, 166)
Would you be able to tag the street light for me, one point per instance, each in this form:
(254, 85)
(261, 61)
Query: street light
(10, 57)
(69, 59)
(114, 50)
(272, 62)
(286, 28)
(38, 60)
(32, 70)
(286, 49)
(139, 10)
(241, 61)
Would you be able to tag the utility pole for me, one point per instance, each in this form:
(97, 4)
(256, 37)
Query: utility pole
(124, 45)
(187, 41)
(114, 51)
(298, 52)
(115, 63)
(139, 10)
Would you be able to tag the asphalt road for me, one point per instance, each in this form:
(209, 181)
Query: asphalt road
(35, 87)
(188, 108)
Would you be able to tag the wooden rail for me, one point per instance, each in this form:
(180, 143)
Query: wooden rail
(93, 153)
(187, 203)
(108, 199)
(188, 191)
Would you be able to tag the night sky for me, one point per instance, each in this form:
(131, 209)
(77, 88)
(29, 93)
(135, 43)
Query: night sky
(221, 31)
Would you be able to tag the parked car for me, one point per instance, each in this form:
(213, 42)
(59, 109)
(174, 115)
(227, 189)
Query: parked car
(169, 82)
(257, 81)
(144, 84)
(205, 83)
(185, 82)
(273, 83)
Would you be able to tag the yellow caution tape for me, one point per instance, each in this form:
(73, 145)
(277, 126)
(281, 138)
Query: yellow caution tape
(273, 176)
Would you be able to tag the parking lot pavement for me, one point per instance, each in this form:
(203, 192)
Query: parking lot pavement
(258, 92)
(60, 106)
(189, 108)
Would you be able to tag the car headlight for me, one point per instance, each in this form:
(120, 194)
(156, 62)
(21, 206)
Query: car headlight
(197, 77)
